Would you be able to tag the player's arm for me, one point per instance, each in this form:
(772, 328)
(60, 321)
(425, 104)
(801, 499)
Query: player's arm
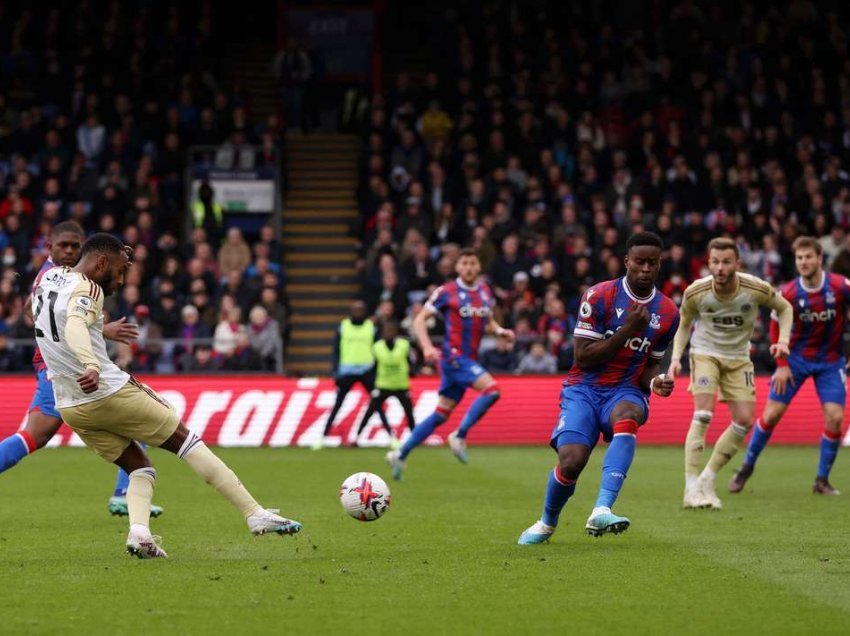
(85, 307)
(785, 317)
(652, 380)
(420, 329)
(499, 331)
(592, 349)
(687, 314)
(782, 376)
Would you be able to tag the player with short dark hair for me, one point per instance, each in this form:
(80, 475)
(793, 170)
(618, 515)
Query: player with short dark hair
(109, 409)
(64, 243)
(820, 301)
(466, 306)
(624, 327)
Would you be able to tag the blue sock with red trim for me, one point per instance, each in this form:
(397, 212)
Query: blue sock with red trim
(618, 459)
(558, 491)
(760, 438)
(14, 448)
(829, 444)
(423, 430)
(478, 408)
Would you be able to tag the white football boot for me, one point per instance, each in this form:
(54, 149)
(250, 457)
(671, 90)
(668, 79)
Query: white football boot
(144, 545)
(266, 521)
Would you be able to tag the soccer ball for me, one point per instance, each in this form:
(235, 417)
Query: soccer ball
(364, 496)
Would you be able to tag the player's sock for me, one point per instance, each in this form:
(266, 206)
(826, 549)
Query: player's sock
(121, 483)
(139, 496)
(695, 445)
(829, 444)
(558, 491)
(617, 461)
(423, 430)
(479, 407)
(216, 473)
(726, 446)
(760, 438)
(14, 448)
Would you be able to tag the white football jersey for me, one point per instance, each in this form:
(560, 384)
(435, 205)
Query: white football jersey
(61, 292)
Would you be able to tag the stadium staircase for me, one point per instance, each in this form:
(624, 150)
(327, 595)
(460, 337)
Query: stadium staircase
(319, 215)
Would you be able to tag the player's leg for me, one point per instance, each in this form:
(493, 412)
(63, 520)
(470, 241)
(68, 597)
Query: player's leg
(141, 480)
(450, 393)
(831, 385)
(574, 437)
(624, 417)
(117, 504)
(726, 447)
(703, 386)
(448, 398)
(43, 420)
(343, 386)
(489, 394)
(833, 417)
(763, 429)
(145, 416)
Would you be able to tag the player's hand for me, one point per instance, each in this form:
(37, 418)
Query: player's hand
(779, 350)
(637, 320)
(507, 334)
(89, 380)
(781, 378)
(662, 385)
(431, 354)
(675, 368)
(121, 331)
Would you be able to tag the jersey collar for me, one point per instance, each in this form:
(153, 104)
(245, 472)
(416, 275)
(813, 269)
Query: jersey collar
(635, 297)
(819, 287)
(464, 286)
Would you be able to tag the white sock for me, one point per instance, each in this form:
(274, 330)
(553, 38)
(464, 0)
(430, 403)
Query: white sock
(708, 474)
(691, 481)
(138, 528)
(600, 510)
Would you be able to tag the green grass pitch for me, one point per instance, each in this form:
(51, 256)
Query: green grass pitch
(444, 559)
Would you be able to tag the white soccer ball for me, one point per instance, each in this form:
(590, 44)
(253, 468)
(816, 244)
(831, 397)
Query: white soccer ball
(365, 496)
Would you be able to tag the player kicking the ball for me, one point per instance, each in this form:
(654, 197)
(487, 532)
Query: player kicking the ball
(43, 420)
(466, 305)
(723, 307)
(107, 408)
(820, 302)
(624, 327)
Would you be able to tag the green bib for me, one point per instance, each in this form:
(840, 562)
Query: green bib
(392, 364)
(355, 347)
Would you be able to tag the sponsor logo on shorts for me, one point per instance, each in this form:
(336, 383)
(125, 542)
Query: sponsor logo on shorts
(703, 381)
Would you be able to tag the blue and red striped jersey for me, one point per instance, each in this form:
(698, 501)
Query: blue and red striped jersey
(37, 361)
(603, 310)
(466, 312)
(819, 318)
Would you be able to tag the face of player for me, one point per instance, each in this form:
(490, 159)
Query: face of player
(358, 312)
(642, 265)
(722, 264)
(807, 262)
(65, 248)
(468, 268)
(112, 268)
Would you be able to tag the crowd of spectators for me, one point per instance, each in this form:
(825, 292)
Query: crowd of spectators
(545, 137)
(99, 103)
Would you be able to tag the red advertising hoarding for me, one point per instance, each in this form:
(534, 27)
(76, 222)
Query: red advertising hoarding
(274, 411)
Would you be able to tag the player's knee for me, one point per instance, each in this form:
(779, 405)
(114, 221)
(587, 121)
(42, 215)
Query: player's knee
(571, 462)
(493, 391)
(703, 416)
(832, 422)
(443, 412)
